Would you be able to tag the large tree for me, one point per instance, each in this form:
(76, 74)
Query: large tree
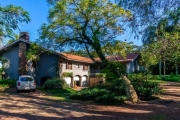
(166, 35)
(87, 24)
(147, 12)
(10, 17)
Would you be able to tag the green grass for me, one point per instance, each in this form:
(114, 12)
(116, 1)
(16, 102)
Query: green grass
(59, 94)
(158, 81)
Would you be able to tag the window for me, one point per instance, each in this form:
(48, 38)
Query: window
(85, 67)
(68, 65)
(26, 79)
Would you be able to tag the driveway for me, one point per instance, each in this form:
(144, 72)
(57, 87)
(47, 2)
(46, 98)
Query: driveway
(38, 106)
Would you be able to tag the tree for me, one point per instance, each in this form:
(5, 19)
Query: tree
(87, 24)
(148, 12)
(166, 34)
(10, 18)
(119, 48)
(13, 38)
(149, 56)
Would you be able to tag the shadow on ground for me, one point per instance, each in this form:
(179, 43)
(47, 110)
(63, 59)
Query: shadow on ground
(37, 105)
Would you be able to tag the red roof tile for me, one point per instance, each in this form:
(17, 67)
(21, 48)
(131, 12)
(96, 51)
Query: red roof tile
(129, 57)
(76, 58)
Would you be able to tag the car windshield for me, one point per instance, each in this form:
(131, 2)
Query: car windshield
(26, 79)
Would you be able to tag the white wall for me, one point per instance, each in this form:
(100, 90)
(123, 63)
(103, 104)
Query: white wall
(75, 70)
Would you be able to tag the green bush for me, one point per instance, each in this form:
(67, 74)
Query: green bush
(106, 94)
(8, 82)
(110, 99)
(54, 83)
(173, 78)
(145, 88)
(148, 89)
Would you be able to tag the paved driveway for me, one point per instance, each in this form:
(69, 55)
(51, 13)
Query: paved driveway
(37, 106)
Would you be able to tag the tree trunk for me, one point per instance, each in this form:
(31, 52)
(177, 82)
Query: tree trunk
(176, 69)
(130, 91)
(160, 68)
(164, 67)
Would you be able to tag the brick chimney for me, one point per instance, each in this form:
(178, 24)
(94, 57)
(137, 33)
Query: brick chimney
(22, 53)
(24, 35)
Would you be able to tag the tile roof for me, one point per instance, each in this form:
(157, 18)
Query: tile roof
(76, 58)
(129, 57)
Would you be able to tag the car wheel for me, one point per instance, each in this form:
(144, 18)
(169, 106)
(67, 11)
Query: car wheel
(34, 90)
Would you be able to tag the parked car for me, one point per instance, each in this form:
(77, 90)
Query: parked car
(25, 82)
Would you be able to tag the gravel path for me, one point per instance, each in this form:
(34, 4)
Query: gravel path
(38, 106)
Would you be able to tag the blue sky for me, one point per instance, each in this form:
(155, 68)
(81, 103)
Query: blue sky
(38, 11)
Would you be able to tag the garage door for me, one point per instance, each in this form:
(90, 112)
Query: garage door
(84, 81)
(68, 80)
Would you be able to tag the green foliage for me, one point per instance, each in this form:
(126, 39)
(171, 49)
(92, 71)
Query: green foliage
(110, 76)
(101, 75)
(7, 83)
(106, 94)
(173, 78)
(92, 18)
(119, 48)
(54, 83)
(67, 74)
(155, 77)
(144, 88)
(137, 76)
(10, 18)
(34, 52)
(147, 12)
(3, 61)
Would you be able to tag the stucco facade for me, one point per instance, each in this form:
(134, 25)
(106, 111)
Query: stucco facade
(79, 74)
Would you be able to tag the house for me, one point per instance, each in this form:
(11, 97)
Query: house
(130, 62)
(75, 68)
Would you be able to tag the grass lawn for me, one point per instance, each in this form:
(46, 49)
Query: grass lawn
(158, 81)
(60, 94)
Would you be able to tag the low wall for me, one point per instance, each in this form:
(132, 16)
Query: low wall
(94, 80)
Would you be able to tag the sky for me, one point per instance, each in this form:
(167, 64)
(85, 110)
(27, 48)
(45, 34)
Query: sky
(38, 12)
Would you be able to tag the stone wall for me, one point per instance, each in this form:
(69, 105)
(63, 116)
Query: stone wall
(22, 58)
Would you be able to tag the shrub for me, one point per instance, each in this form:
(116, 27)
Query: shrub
(54, 83)
(110, 99)
(106, 94)
(8, 82)
(173, 78)
(146, 88)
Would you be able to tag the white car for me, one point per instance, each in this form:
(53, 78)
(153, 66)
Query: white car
(25, 82)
